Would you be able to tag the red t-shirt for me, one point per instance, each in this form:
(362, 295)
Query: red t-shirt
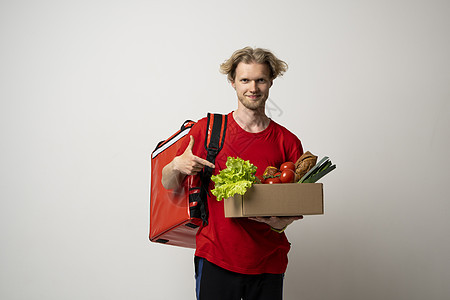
(239, 244)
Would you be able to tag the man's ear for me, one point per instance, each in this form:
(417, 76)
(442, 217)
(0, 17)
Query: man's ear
(233, 84)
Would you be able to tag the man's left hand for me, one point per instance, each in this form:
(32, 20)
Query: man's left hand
(277, 222)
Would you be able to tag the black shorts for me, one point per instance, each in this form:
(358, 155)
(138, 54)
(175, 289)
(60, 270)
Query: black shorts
(216, 283)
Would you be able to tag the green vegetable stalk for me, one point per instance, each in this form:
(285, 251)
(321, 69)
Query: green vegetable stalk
(236, 178)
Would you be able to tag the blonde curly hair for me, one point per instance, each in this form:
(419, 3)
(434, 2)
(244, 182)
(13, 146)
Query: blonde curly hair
(253, 55)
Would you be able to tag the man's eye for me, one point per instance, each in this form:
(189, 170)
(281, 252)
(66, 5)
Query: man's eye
(244, 80)
(261, 80)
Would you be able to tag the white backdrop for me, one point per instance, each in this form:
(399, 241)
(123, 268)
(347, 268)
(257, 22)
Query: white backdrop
(88, 88)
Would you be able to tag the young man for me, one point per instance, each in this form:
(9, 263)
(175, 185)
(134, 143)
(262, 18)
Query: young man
(241, 257)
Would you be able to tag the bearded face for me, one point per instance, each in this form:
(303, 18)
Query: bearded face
(252, 83)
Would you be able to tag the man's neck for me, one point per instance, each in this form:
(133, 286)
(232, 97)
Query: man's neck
(253, 121)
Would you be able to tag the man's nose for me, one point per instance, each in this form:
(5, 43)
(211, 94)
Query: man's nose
(253, 86)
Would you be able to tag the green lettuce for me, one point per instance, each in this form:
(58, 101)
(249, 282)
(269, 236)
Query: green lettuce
(236, 178)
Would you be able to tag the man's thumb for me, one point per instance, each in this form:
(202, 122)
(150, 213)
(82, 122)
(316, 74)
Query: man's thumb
(191, 143)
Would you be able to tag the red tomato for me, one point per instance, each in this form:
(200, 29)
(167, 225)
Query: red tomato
(273, 180)
(287, 176)
(288, 165)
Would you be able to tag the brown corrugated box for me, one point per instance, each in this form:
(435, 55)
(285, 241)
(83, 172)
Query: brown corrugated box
(286, 199)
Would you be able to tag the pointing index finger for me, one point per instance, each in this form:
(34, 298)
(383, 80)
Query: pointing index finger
(204, 162)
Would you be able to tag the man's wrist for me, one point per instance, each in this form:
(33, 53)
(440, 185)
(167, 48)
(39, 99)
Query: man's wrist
(279, 230)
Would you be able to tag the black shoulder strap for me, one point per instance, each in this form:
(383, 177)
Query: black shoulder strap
(215, 135)
(214, 140)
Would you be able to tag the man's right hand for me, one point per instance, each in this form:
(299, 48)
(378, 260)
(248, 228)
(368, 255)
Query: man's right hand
(189, 164)
(183, 165)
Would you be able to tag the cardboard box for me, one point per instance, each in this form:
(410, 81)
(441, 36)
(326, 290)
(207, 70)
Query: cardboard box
(286, 199)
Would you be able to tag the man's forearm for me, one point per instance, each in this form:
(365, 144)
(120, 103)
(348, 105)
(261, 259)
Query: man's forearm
(171, 178)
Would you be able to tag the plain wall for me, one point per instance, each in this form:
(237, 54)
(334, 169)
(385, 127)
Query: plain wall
(88, 88)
